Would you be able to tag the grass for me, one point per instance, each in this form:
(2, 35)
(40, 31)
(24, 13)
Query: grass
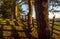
(56, 32)
(57, 27)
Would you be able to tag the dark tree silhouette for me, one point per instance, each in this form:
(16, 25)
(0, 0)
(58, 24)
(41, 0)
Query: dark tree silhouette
(41, 7)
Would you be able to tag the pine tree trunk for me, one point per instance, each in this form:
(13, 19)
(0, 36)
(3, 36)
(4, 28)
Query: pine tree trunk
(14, 5)
(17, 10)
(41, 7)
(30, 13)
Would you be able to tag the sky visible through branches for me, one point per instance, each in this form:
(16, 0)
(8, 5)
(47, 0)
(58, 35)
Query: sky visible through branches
(57, 14)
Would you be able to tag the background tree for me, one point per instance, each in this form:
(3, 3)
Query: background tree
(18, 10)
(41, 7)
(30, 12)
(9, 8)
(30, 4)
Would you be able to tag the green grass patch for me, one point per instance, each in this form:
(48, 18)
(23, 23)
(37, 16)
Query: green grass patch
(57, 27)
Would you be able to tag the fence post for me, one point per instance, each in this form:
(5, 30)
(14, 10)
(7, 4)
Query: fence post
(52, 26)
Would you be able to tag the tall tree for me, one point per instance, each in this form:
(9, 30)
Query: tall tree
(30, 12)
(8, 8)
(41, 7)
(30, 5)
(13, 9)
(18, 10)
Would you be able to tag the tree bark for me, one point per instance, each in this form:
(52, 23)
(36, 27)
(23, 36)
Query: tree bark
(30, 13)
(41, 7)
(17, 7)
(14, 4)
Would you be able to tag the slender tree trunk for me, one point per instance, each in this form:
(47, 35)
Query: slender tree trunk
(30, 18)
(30, 13)
(41, 7)
(14, 4)
(17, 10)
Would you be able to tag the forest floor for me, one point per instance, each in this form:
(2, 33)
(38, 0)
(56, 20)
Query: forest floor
(16, 30)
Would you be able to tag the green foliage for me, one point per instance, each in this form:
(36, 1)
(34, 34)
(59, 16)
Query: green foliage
(8, 8)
